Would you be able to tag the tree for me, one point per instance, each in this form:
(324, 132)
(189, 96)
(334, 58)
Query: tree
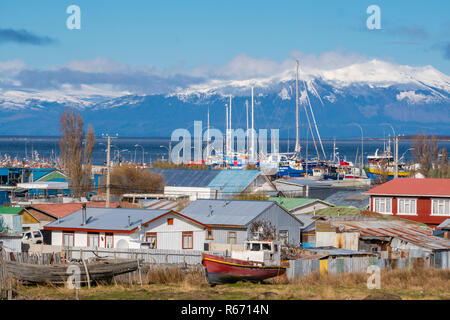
(75, 152)
(432, 161)
(263, 230)
(128, 178)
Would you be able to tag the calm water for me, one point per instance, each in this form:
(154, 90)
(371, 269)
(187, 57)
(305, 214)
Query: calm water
(157, 148)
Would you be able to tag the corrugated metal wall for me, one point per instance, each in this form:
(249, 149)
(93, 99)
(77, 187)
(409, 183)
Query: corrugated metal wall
(281, 220)
(299, 268)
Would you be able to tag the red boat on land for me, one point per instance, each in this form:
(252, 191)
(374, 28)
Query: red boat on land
(220, 270)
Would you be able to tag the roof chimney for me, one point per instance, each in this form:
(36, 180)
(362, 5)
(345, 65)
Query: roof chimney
(129, 220)
(83, 214)
(210, 211)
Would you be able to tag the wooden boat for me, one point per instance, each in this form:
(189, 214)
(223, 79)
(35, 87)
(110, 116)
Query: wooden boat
(102, 269)
(220, 270)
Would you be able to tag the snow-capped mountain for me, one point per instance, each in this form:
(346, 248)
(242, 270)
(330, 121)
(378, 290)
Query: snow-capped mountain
(369, 93)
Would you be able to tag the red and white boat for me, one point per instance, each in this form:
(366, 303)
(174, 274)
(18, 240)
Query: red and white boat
(260, 261)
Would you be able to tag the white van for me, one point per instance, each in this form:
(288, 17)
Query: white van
(33, 237)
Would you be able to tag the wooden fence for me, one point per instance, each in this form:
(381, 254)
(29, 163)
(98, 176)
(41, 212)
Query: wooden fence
(148, 256)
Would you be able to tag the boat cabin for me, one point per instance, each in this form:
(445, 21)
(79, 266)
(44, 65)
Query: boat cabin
(265, 251)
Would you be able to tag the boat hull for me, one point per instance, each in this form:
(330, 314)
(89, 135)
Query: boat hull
(59, 273)
(220, 270)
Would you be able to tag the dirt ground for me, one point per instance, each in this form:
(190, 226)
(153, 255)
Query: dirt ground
(419, 284)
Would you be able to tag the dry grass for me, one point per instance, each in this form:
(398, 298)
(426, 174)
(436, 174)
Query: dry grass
(174, 283)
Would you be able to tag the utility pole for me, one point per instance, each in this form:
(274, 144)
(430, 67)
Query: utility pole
(396, 157)
(108, 173)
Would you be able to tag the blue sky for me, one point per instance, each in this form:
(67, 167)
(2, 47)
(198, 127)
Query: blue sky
(170, 34)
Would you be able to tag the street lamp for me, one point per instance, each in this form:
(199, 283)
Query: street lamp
(362, 143)
(143, 152)
(168, 150)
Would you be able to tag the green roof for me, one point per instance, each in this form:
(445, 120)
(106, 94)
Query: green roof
(292, 203)
(10, 210)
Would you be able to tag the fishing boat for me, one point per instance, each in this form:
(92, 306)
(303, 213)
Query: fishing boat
(382, 164)
(99, 269)
(259, 261)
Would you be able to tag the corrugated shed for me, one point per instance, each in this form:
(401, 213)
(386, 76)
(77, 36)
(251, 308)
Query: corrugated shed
(418, 236)
(187, 177)
(11, 224)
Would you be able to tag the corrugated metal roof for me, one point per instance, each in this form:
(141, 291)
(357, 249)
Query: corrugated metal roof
(107, 219)
(10, 210)
(444, 225)
(225, 212)
(159, 204)
(233, 181)
(292, 203)
(303, 182)
(187, 177)
(349, 198)
(337, 252)
(419, 236)
(413, 187)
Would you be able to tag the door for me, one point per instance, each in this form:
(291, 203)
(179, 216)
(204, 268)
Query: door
(109, 240)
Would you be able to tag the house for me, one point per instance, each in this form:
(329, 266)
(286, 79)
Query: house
(422, 200)
(30, 220)
(128, 228)
(213, 184)
(301, 205)
(388, 238)
(308, 232)
(230, 221)
(302, 187)
(11, 232)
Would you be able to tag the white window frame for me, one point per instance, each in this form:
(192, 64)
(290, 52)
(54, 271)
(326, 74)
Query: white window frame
(440, 203)
(412, 205)
(385, 200)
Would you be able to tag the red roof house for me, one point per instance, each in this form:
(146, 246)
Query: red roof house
(60, 210)
(422, 200)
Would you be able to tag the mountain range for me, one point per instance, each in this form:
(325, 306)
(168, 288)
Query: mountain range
(374, 94)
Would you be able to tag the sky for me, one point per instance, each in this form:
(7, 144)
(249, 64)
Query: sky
(172, 36)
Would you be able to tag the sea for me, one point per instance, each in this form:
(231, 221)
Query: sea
(150, 149)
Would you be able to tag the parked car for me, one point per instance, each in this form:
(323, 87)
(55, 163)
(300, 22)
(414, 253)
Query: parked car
(33, 237)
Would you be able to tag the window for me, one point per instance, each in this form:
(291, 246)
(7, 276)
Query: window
(232, 238)
(92, 240)
(68, 239)
(440, 207)
(407, 206)
(170, 221)
(188, 240)
(284, 236)
(109, 240)
(150, 238)
(209, 235)
(383, 205)
(256, 247)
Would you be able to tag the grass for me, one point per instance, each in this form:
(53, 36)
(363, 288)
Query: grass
(174, 284)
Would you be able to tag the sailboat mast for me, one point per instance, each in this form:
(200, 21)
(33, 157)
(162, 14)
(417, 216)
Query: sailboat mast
(229, 123)
(297, 122)
(253, 129)
(226, 129)
(246, 132)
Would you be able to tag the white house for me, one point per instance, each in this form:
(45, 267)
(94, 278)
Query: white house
(128, 228)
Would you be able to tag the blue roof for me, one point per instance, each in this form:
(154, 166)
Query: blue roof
(226, 212)
(187, 177)
(107, 219)
(233, 181)
(226, 181)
